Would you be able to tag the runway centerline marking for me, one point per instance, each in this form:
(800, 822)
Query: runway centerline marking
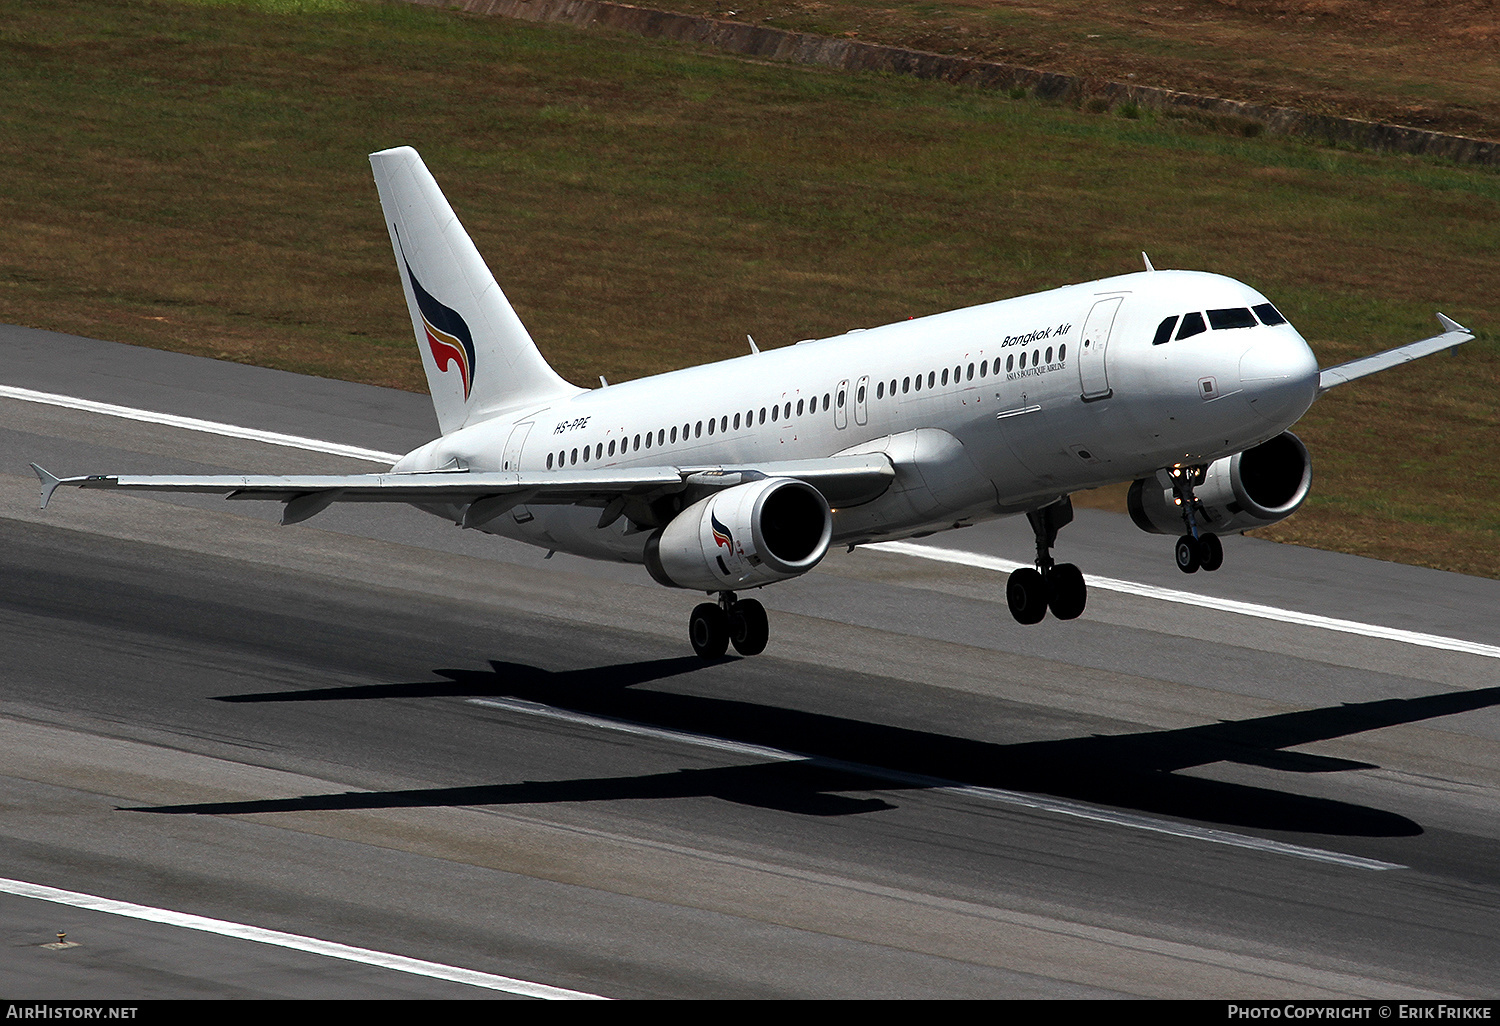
(1292, 616)
(1189, 598)
(275, 938)
(1000, 796)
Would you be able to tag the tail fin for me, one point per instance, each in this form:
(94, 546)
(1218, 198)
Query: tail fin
(479, 359)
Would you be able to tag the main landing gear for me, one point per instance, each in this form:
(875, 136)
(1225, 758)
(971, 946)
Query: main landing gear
(1196, 550)
(1055, 586)
(742, 623)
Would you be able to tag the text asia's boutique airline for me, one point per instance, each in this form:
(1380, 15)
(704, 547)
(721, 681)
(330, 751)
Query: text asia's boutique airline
(736, 475)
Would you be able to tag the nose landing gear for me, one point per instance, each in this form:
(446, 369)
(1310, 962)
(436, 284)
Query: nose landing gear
(742, 623)
(1196, 550)
(1056, 586)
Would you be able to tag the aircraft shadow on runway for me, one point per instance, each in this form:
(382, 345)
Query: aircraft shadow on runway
(844, 757)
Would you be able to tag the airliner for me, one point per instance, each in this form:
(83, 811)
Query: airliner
(735, 475)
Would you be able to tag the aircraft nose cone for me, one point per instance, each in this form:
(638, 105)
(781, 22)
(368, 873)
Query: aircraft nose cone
(1280, 379)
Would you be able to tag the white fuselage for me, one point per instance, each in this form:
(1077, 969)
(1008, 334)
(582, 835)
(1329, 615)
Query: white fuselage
(983, 411)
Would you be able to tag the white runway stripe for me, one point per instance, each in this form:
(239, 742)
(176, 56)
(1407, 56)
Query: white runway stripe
(364, 956)
(1293, 616)
(193, 424)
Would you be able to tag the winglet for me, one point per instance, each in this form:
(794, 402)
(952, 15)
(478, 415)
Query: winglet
(1449, 324)
(49, 484)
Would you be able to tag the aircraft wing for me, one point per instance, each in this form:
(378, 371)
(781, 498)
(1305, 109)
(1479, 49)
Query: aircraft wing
(1454, 334)
(846, 480)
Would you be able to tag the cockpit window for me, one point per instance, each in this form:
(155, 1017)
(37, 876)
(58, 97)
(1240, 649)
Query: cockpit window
(1236, 317)
(1192, 324)
(1164, 331)
(1269, 315)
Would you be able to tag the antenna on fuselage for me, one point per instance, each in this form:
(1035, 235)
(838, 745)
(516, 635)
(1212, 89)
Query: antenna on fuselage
(1148, 261)
(754, 349)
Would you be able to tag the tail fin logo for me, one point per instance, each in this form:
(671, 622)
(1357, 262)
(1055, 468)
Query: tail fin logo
(448, 336)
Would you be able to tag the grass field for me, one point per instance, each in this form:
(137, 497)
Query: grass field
(1424, 63)
(193, 176)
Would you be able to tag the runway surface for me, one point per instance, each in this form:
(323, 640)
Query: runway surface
(377, 731)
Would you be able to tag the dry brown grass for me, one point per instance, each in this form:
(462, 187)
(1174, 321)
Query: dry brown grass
(1431, 64)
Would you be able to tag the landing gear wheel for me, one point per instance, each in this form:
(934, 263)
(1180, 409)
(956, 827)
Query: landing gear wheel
(1187, 554)
(749, 629)
(1210, 552)
(1026, 593)
(708, 628)
(1066, 592)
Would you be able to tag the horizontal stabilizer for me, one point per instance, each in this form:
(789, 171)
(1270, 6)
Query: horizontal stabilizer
(1454, 334)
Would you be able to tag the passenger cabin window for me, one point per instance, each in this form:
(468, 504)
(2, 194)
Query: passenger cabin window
(1269, 315)
(1062, 352)
(1192, 324)
(1164, 331)
(1234, 317)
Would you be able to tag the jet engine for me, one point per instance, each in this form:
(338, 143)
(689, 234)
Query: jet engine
(1256, 488)
(743, 537)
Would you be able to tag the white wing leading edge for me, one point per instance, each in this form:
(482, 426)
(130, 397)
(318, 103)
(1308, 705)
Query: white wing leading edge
(1454, 334)
(843, 480)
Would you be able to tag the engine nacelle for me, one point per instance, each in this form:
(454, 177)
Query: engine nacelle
(1255, 488)
(742, 537)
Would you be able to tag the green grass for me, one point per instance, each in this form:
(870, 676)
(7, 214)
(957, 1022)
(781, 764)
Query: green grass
(193, 175)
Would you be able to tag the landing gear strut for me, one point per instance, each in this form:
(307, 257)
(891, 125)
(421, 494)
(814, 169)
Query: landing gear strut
(1056, 586)
(713, 627)
(1196, 550)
